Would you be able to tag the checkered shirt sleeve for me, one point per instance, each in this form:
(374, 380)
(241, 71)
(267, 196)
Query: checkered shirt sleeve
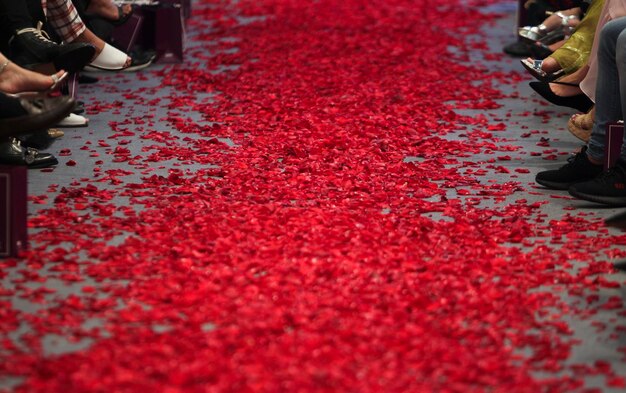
(64, 18)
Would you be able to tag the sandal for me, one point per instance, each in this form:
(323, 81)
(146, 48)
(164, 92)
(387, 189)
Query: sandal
(57, 80)
(541, 33)
(110, 59)
(532, 33)
(580, 125)
(535, 70)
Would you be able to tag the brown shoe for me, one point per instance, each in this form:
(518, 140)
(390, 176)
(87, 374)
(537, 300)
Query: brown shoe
(24, 114)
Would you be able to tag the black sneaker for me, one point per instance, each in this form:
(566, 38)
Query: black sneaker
(578, 169)
(140, 59)
(608, 188)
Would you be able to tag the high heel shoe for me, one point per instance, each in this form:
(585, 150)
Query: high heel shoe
(534, 68)
(579, 102)
(541, 32)
(57, 80)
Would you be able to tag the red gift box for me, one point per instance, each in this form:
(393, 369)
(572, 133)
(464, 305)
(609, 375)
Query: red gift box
(13, 210)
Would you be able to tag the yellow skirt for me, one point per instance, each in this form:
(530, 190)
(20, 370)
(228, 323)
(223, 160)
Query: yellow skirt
(575, 52)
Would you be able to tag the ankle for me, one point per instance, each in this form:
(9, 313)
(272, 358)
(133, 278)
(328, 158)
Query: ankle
(89, 37)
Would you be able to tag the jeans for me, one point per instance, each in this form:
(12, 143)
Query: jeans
(610, 86)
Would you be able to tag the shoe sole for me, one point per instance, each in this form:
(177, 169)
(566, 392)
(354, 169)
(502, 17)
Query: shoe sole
(42, 164)
(554, 186)
(137, 67)
(51, 162)
(605, 200)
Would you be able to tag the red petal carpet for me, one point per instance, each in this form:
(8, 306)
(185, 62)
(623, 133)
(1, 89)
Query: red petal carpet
(352, 238)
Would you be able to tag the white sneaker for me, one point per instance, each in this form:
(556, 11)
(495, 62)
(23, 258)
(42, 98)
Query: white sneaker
(74, 120)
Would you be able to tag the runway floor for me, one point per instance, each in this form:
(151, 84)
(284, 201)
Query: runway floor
(324, 196)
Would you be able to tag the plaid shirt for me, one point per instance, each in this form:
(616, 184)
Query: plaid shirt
(62, 15)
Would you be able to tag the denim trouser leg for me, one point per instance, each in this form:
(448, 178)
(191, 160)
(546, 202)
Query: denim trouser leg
(611, 63)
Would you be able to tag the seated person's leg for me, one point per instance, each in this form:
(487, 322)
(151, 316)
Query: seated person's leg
(608, 97)
(68, 24)
(587, 164)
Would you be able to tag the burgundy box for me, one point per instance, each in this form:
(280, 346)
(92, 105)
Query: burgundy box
(614, 140)
(170, 34)
(156, 26)
(13, 210)
(126, 35)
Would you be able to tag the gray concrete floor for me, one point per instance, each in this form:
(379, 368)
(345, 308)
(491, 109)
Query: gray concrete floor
(91, 148)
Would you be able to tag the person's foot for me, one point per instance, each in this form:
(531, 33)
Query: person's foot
(15, 79)
(548, 65)
(579, 102)
(608, 188)
(31, 47)
(578, 169)
(562, 90)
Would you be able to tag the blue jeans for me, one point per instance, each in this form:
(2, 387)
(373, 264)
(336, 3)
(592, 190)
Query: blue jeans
(610, 87)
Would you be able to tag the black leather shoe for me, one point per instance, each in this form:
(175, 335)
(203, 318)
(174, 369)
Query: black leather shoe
(27, 114)
(31, 46)
(580, 102)
(13, 153)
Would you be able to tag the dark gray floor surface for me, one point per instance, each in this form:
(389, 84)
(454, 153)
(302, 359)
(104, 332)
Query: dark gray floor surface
(87, 148)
